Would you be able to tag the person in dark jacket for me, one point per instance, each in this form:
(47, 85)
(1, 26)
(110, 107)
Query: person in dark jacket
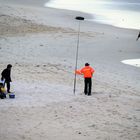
(138, 36)
(6, 75)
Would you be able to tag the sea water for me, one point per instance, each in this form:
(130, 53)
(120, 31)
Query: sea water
(133, 62)
(120, 13)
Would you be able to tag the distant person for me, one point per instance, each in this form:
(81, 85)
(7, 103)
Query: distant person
(87, 71)
(6, 76)
(138, 36)
(2, 91)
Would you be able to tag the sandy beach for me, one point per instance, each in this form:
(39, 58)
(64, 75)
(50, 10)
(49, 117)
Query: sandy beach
(40, 43)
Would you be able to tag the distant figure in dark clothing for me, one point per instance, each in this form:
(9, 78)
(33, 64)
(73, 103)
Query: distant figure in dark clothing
(6, 75)
(138, 36)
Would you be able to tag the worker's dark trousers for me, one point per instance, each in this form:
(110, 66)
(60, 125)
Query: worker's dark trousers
(8, 86)
(88, 85)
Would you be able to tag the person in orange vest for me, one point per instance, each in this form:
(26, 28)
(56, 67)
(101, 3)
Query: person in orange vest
(87, 71)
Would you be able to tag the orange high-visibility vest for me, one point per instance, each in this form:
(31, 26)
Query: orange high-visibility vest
(87, 71)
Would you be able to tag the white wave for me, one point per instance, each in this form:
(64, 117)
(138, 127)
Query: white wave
(120, 14)
(133, 62)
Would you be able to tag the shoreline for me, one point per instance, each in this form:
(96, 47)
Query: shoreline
(87, 28)
(133, 62)
(99, 14)
(31, 26)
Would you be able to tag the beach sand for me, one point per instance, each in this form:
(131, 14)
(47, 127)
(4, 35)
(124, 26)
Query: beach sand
(40, 43)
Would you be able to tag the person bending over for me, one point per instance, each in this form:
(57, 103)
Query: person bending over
(6, 76)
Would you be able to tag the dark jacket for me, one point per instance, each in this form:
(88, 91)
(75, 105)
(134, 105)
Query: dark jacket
(6, 74)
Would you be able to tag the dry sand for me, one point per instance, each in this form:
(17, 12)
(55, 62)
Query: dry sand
(40, 43)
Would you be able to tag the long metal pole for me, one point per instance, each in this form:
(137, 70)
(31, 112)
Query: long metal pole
(77, 51)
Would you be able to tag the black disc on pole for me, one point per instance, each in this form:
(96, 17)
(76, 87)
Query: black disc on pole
(80, 18)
